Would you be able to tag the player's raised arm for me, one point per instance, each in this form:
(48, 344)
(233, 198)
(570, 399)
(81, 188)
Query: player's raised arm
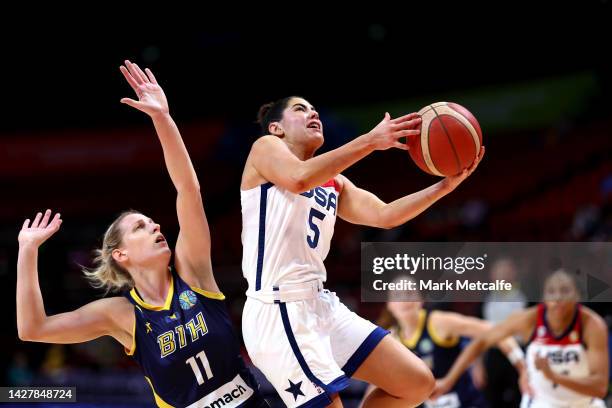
(516, 324)
(297, 171)
(471, 327)
(193, 244)
(93, 320)
(359, 206)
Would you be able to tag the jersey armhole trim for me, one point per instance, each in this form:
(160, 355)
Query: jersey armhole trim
(158, 400)
(132, 349)
(211, 295)
(441, 342)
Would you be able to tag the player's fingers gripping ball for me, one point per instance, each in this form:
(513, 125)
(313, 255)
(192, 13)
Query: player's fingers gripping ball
(450, 139)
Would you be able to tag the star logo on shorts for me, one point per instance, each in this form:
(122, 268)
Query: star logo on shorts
(294, 389)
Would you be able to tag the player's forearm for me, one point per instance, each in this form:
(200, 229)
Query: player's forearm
(406, 208)
(30, 306)
(177, 159)
(595, 385)
(513, 352)
(319, 169)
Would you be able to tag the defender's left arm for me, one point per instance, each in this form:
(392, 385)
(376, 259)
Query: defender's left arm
(193, 244)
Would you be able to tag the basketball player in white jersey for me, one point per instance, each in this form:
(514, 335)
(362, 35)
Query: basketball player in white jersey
(567, 353)
(305, 341)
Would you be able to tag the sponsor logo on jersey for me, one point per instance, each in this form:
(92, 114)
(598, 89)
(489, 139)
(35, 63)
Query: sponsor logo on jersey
(229, 395)
(541, 331)
(171, 318)
(573, 336)
(425, 346)
(228, 398)
(187, 299)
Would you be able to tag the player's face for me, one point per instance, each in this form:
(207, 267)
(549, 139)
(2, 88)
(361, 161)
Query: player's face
(301, 123)
(142, 242)
(404, 310)
(560, 295)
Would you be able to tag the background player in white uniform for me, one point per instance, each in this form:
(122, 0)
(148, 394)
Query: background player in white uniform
(567, 356)
(302, 338)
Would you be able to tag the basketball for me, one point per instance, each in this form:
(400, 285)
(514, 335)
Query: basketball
(449, 142)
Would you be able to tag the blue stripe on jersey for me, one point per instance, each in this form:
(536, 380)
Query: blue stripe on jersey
(364, 350)
(263, 201)
(335, 386)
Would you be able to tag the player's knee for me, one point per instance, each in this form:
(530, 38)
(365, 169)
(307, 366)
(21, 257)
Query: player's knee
(414, 384)
(424, 382)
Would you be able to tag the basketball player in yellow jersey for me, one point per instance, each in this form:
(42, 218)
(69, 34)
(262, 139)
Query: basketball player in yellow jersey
(172, 321)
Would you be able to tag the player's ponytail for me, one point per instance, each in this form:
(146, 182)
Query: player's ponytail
(107, 274)
(272, 112)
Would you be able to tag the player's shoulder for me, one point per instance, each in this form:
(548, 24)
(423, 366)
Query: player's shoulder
(113, 304)
(267, 141)
(115, 308)
(592, 320)
(341, 182)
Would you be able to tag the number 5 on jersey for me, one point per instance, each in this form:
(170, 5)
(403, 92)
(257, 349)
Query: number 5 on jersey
(314, 240)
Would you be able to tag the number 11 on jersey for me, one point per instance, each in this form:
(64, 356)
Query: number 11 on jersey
(196, 370)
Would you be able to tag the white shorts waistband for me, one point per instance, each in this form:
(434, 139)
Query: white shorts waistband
(291, 292)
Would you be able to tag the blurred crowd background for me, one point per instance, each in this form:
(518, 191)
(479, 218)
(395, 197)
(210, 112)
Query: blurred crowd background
(66, 143)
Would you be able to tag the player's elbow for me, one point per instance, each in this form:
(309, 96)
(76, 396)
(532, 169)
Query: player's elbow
(602, 388)
(384, 220)
(386, 225)
(189, 188)
(26, 333)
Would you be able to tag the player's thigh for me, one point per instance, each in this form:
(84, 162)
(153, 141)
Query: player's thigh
(391, 366)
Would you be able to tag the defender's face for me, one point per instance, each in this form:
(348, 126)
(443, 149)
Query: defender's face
(403, 310)
(301, 123)
(142, 241)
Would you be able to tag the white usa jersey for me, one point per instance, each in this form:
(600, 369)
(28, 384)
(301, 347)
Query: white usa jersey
(566, 356)
(286, 236)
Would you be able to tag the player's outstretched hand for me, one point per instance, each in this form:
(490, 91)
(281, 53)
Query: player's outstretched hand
(386, 134)
(443, 386)
(40, 230)
(151, 97)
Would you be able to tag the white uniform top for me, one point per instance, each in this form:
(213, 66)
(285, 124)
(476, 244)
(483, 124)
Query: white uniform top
(286, 236)
(566, 355)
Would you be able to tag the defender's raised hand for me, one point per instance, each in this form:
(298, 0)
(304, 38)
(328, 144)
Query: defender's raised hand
(40, 230)
(151, 97)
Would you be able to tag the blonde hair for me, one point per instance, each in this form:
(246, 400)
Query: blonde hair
(107, 274)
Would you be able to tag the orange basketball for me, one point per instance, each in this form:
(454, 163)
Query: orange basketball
(449, 142)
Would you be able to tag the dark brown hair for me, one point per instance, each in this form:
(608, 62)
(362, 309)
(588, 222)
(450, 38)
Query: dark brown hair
(272, 112)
